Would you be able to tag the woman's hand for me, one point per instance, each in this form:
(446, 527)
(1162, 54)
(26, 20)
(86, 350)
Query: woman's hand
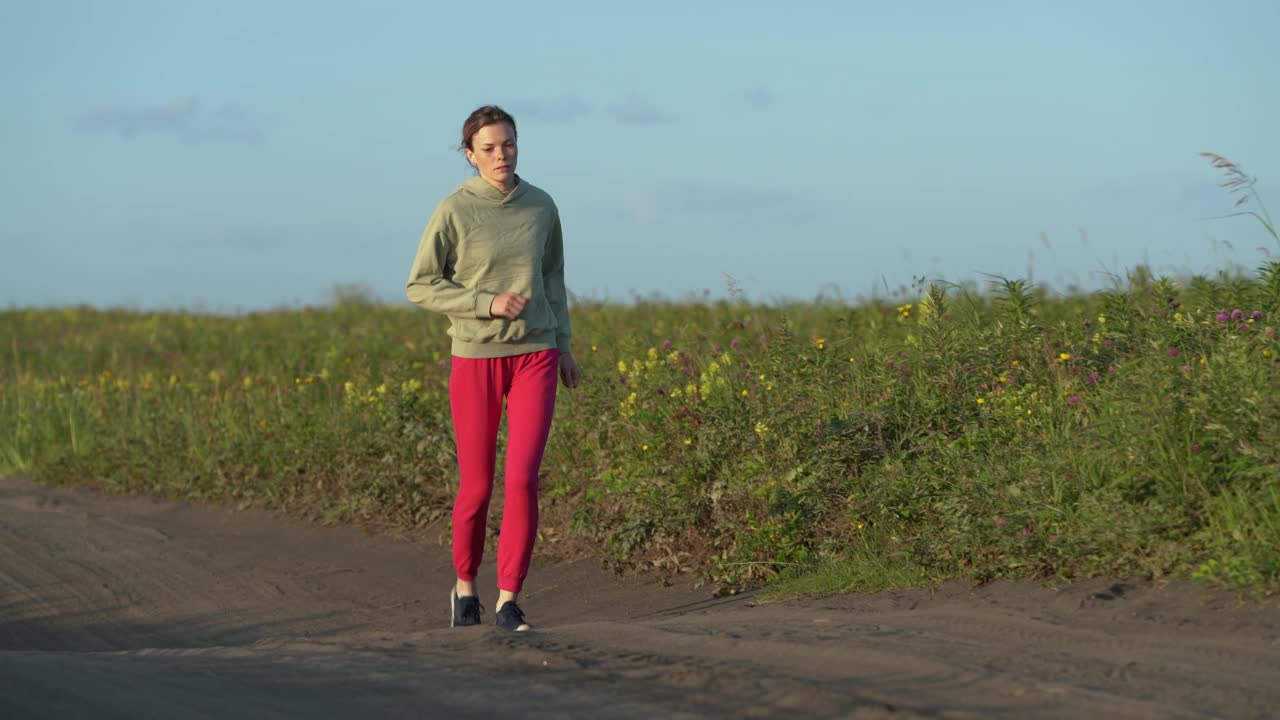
(570, 375)
(507, 305)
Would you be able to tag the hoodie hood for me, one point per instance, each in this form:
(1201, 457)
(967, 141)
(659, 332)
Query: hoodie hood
(480, 188)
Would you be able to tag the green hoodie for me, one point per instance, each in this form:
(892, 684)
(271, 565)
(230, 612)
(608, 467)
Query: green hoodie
(479, 244)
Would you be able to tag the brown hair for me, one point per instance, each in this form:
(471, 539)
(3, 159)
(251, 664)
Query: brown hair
(481, 117)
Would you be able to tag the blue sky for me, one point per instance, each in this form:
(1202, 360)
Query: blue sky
(247, 155)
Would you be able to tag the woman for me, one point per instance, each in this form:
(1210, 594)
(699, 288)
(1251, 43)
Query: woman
(492, 259)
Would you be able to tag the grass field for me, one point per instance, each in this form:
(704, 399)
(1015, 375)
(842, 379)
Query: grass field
(1002, 433)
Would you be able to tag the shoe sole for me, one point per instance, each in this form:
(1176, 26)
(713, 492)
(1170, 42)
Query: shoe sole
(453, 606)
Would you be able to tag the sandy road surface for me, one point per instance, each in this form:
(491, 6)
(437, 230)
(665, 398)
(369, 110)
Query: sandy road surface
(129, 608)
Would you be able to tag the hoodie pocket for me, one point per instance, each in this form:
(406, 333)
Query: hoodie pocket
(536, 314)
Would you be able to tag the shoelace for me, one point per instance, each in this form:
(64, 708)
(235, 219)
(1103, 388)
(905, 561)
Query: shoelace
(512, 608)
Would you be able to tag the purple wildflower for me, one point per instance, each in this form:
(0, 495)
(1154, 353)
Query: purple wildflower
(1173, 352)
(1271, 332)
(1108, 342)
(1242, 326)
(734, 343)
(1195, 447)
(666, 344)
(1073, 399)
(1256, 315)
(1237, 314)
(1222, 317)
(1094, 377)
(1001, 523)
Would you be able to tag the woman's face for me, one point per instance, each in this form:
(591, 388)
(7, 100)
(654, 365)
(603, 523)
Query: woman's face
(493, 152)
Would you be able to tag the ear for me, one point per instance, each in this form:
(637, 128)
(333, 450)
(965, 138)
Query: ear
(471, 157)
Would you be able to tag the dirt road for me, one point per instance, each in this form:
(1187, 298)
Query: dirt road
(130, 608)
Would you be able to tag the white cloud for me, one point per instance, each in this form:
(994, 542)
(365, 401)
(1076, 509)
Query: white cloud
(638, 112)
(182, 117)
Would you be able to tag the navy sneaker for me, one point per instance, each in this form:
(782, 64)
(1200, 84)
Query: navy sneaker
(510, 617)
(466, 609)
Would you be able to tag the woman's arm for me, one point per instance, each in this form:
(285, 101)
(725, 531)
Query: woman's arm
(553, 284)
(431, 283)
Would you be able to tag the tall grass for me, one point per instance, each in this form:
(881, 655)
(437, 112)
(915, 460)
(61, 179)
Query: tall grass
(1001, 434)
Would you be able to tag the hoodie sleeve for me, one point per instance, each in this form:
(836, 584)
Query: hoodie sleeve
(431, 285)
(553, 284)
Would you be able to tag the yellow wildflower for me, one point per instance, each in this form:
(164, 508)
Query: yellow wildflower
(247, 382)
(981, 401)
(761, 428)
(688, 441)
(744, 392)
(622, 367)
(1064, 356)
(653, 353)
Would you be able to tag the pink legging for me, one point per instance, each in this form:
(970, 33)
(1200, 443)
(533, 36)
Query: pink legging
(476, 390)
